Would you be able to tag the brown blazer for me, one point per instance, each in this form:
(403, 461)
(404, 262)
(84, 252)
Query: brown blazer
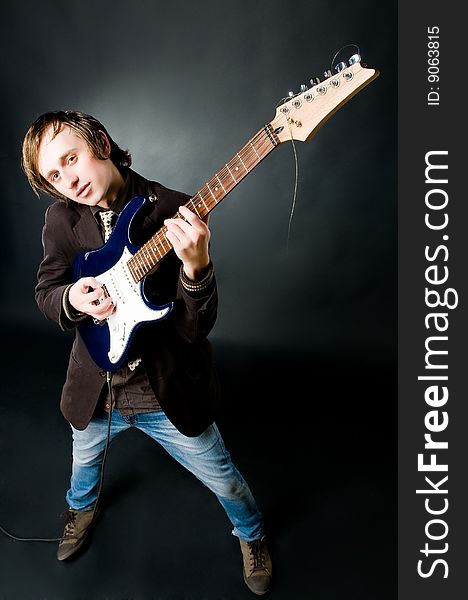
(175, 351)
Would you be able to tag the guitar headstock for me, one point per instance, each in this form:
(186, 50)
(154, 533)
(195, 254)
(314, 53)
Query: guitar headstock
(303, 114)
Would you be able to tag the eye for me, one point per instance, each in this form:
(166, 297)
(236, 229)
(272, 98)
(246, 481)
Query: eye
(71, 159)
(54, 177)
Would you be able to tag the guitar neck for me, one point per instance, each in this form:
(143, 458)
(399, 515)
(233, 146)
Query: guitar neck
(207, 198)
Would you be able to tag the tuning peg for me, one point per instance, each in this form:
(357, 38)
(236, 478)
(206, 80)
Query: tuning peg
(291, 94)
(355, 58)
(340, 66)
(327, 74)
(303, 87)
(315, 81)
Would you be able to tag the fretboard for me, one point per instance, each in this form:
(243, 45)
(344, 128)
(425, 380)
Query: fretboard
(207, 198)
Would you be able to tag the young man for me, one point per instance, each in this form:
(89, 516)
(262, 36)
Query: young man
(167, 386)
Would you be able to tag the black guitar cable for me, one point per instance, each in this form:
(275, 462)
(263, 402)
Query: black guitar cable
(101, 480)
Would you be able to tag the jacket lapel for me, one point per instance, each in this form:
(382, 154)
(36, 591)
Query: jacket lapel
(87, 231)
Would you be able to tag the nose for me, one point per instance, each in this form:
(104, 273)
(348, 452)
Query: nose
(70, 179)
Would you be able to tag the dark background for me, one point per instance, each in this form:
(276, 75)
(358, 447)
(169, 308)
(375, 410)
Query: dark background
(306, 337)
(423, 128)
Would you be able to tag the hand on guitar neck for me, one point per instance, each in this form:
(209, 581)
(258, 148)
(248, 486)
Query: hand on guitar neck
(189, 237)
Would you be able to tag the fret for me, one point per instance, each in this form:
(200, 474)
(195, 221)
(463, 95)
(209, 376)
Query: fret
(191, 206)
(221, 183)
(137, 273)
(230, 173)
(138, 260)
(153, 249)
(242, 163)
(205, 200)
(149, 256)
(147, 261)
(253, 147)
(202, 202)
(229, 182)
(164, 238)
(215, 186)
(142, 262)
(250, 157)
(156, 247)
(211, 192)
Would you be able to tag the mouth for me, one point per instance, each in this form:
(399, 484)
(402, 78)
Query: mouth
(83, 189)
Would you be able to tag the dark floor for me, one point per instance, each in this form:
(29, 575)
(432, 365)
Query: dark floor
(314, 437)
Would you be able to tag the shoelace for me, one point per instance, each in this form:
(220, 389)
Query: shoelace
(257, 556)
(69, 518)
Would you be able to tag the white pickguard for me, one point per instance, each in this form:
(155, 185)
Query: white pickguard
(131, 309)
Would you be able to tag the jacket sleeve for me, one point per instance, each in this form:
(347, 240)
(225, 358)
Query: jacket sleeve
(195, 313)
(54, 273)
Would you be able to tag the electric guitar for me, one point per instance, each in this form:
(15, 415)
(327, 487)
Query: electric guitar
(121, 266)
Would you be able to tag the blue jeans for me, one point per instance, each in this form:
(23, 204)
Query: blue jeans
(205, 456)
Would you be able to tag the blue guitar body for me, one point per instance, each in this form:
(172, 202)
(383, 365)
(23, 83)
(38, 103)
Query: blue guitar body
(108, 342)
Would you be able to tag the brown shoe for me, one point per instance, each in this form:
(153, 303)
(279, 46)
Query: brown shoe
(257, 566)
(77, 526)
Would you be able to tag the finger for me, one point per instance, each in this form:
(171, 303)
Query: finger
(89, 294)
(82, 298)
(174, 240)
(192, 218)
(183, 229)
(89, 282)
(171, 228)
(102, 310)
(94, 296)
(180, 229)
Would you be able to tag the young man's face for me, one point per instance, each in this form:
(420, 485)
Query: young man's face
(67, 163)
